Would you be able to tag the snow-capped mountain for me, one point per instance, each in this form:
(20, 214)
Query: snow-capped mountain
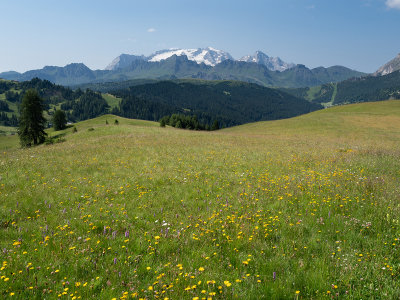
(208, 56)
(272, 63)
(123, 61)
(390, 67)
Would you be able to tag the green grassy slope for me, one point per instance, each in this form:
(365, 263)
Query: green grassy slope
(304, 208)
(358, 121)
(112, 101)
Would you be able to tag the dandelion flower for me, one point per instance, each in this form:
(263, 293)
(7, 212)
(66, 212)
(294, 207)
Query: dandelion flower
(227, 283)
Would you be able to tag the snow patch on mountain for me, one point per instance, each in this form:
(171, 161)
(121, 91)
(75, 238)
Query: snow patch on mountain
(272, 63)
(208, 56)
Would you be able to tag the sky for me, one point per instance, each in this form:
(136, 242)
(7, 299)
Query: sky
(359, 34)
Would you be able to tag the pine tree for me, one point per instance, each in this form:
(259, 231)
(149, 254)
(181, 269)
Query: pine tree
(59, 120)
(31, 121)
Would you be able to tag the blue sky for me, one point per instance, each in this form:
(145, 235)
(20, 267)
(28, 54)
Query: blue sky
(360, 34)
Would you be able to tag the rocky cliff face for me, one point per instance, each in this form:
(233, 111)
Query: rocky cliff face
(390, 67)
(272, 63)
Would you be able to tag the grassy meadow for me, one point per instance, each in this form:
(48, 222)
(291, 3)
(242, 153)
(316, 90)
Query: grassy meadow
(303, 208)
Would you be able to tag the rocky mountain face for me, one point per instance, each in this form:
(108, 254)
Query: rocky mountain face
(123, 61)
(390, 67)
(272, 63)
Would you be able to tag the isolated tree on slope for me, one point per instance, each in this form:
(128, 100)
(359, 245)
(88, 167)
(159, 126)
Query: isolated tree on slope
(31, 122)
(59, 120)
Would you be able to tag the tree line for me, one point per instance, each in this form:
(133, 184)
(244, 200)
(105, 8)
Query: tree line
(187, 122)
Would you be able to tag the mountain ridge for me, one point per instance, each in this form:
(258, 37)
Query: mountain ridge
(209, 56)
(219, 67)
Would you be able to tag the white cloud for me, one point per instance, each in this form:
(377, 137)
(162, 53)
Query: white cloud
(151, 30)
(393, 4)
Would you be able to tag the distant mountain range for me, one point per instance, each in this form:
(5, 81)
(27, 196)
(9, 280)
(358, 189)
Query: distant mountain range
(203, 63)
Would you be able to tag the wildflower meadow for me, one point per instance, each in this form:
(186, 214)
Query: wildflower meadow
(303, 208)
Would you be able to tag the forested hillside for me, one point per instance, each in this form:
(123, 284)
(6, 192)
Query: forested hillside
(78, 104)
(371, 88)
(363, 89)
(229, 102)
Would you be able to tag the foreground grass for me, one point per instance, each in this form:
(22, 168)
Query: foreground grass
(305, 208)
